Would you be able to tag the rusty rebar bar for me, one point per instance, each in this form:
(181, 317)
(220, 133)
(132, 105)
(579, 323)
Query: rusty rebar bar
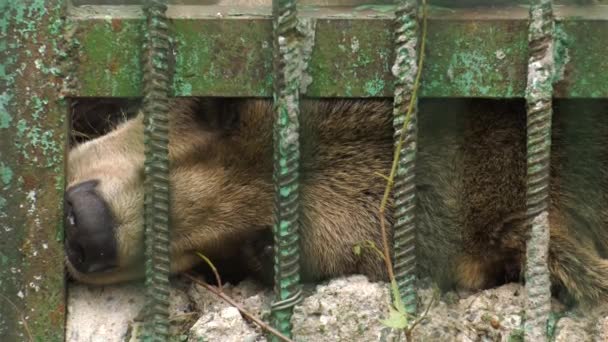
(156, 171)
(287, 55)
(539, 93)
(404, 191)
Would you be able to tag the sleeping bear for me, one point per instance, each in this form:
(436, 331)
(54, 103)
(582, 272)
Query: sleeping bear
(470, 179)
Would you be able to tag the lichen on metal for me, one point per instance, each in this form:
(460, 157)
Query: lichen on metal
(404, 190)
(33, 129)
(156, 172)
(539, 93)
(245, 58)
(289, 65)
(578, 62)
(120, 74)
(475, 53)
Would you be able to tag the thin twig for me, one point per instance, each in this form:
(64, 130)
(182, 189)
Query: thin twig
(25, 326)
(213, 269)
(242, 310)
(419, 319)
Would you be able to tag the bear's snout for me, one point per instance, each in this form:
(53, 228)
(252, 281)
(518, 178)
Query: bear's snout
(89, 225)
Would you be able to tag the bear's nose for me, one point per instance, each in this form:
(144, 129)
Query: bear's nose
(89, 225)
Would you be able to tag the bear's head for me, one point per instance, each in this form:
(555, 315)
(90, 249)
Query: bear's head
(220, 172)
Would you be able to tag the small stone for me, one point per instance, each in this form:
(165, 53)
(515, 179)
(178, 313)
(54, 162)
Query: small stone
(571, 329)
(226, 325)
(102, 313)
(602, 329)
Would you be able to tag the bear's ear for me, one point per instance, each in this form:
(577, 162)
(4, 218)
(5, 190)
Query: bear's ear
(219, 115)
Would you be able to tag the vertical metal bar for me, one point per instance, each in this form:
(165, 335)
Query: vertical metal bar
(286, 163)
(404, 192)
(33, 129)
(156, 181)
(539, 93)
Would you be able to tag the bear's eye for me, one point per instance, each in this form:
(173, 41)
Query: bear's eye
(71, 218)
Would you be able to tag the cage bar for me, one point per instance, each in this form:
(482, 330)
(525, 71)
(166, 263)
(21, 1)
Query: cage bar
(33, 139)
(404, 191)
(539, 106)
(287, 57)
(156, 83)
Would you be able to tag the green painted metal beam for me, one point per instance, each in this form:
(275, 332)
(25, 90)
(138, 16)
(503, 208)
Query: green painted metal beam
(222, 51)
(447, 3)
(33, 130)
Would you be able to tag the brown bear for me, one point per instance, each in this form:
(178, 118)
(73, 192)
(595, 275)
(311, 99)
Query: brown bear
(471, 172)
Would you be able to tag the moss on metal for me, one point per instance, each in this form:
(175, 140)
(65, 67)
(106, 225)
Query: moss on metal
(586, 45)
(223, 57)
(476, 58)
(32, 137)
(469, 54)
(351, 58)
(110, 57)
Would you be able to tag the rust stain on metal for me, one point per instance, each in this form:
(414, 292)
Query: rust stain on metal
(32, 140)
(114, 65)
(480, 52)
(116, 25)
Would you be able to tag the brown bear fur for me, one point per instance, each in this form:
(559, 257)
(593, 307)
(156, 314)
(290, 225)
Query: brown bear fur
(470, 179)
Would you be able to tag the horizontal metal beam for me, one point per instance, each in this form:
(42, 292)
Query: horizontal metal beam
(447, 3)
(225, 51)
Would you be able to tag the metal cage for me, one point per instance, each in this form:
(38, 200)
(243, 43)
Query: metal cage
(51, 50)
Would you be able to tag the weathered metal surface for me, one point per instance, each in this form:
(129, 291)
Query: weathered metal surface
(157, 84)
(447, 3)
(405, 123)
(33, 129)
(539, 105)
(470, 52)
(289, 59)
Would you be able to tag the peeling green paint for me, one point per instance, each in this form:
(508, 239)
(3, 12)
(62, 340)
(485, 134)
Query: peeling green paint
(5, 118)
(374, 87)
(478, 59)
(359, 67)
(32, 154)
(119, 57)
(6, 174)
(466, 57)
(581, 63)
(205, 55)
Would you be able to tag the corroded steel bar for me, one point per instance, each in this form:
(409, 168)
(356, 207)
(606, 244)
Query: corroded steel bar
(33, 129)
(156, 181)
(539, 93)
(404, 190)
(287, 56)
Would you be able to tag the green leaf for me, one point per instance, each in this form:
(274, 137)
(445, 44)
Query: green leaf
(397, 302)
(357, 250)
(395, 320)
